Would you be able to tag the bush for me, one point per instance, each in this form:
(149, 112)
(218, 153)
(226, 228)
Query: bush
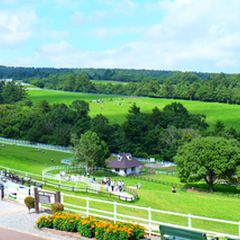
(66, 221)
(57, 207)
(45, 221)
(86, 227)
(118, 231)
(90, 227)
(29, 202)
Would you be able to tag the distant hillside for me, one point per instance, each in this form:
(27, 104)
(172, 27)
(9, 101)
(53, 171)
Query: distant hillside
(125, 75)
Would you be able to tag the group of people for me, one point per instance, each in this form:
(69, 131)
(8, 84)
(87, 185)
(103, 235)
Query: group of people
(113, 186)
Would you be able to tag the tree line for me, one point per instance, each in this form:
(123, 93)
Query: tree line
(189, 86)
(214, 87)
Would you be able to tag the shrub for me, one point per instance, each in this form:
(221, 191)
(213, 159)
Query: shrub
(29, 202)
(86, 227)
(90, 227)
(118, 231)
(57, 207)
(45, 221)
(138, 232)
(66, 221)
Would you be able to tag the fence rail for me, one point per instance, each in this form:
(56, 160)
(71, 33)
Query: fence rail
(151, 224)
(36, 178)
(26, 143)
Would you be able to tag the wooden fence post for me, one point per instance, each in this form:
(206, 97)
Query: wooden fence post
(36, 197)
(58, 197)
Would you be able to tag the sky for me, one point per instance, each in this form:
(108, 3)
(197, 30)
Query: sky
(185, 35)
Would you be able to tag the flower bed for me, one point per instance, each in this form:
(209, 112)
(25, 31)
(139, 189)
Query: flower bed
(91, 227)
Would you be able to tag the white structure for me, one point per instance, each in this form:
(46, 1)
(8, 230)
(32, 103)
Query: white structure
(125, 165)
(6, 80)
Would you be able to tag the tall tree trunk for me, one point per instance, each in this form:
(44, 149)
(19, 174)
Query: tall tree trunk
(210, 187)
(210, 181)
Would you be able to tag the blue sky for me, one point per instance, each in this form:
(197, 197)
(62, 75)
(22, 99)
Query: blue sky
(189, 35)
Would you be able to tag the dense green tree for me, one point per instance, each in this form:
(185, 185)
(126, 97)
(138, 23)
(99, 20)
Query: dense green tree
(11, 92)
(219, 128)
(209, 159)
(134, 128)
(101, 126)
(82, 121)
(91, 151)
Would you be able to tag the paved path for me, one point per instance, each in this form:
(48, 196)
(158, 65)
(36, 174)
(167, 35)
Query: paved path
(13, 235)
(14, 216)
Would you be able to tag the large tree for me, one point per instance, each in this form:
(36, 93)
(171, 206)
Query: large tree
(91, 151)
(208, 159)
(12, 92)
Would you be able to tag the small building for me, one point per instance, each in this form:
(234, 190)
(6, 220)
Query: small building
(6, 80)
(125, 165)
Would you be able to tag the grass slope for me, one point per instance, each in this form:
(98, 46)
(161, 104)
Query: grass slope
(116, 108)
(29, 159)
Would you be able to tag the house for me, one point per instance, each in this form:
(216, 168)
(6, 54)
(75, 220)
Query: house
(125, 165)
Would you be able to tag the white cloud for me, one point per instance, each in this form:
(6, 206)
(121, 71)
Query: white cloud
(80, 18)
(9, 1)
(108, 32)
(192, 35)
(16, 26)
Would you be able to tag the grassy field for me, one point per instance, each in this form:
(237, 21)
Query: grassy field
(151, 194)
(116, 108)
(29, 159)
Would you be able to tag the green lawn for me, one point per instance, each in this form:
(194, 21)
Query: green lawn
(29, 159)
(116, 108)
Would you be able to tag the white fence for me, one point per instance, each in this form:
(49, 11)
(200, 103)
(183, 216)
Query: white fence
(149, 222)
(25, 143)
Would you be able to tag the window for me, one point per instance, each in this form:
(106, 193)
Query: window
(116, 169)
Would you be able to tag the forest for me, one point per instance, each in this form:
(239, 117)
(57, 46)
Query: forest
(156, 134)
